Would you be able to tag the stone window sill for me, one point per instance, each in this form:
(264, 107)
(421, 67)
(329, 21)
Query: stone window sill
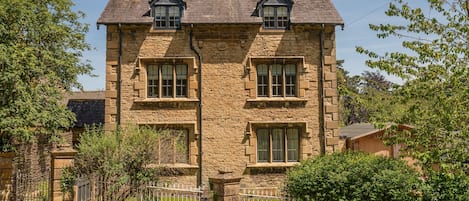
(165, 100)
(277, 99)
(272, 165)
(162, 30)
(273, 30)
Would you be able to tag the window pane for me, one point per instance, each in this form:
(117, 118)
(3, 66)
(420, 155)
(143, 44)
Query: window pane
(167, 86)
(269, 11)
(160, 17)
(282, 11)
(173, 15)
(160, 11)
(152, 81)
(181, 81)
(278, 151)
(167, 146)
(290, 79)
(182, 146)
(262, 145)
(282, 17)
(262, 80)
(293, 144)
(174, 146)
(277, 80)
(269, 16)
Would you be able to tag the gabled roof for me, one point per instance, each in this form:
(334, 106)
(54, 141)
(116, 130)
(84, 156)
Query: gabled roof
(359, 130)
(219, 11)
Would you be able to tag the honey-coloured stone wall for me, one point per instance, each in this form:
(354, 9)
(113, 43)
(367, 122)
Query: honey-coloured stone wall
(231, 112)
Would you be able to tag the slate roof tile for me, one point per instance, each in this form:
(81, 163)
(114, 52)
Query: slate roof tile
(219, 11)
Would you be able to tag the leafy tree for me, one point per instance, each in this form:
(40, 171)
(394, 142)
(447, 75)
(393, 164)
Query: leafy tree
(41, 45)
(376, 81)
(351, 108)
(353, 176)
(435, 96)
(362, 96)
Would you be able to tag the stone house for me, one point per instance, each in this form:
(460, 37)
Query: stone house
(249, 86)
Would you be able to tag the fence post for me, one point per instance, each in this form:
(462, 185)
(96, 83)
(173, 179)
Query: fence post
(225, 186)
(61, 157)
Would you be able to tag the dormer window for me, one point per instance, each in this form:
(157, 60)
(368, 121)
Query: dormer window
(275, 17)
(167, 13)
(275, 13)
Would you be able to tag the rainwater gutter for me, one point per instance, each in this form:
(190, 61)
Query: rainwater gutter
(199, 90)
(119, 77)
(322, 122)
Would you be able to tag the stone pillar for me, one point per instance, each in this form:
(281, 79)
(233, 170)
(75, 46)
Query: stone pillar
(6, 173)
(61, 157)
(225, 186)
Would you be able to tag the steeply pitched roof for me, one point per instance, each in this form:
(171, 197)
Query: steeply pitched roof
(88, 107)
(219, 11)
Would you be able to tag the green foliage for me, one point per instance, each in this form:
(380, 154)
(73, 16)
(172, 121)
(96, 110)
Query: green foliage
(67, 180)
(351, 108)
(447, 186)
(353, 176)
(363, 96)
(41, 45)
(5, 144)
(122, 155)
(435, 96)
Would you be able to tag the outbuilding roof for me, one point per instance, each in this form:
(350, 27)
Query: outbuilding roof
(219, 11)
(88, 107)
(355, 131)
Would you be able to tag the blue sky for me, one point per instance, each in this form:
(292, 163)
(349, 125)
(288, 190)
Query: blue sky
(357, 14)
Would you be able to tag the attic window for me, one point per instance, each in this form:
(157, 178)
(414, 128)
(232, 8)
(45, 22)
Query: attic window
(167, 14)
(275, 13)
(275, 17)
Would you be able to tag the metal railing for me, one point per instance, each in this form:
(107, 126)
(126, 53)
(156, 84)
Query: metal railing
(263, 194)
(97, 189)
(167, 191)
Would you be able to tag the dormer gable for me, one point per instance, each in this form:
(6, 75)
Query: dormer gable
(167, 13)
(275, 13)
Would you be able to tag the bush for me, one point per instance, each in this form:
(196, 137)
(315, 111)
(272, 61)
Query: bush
(123, 153)
(446, 186)
(353, 176)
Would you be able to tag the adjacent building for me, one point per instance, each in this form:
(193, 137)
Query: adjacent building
(88, 107)
(247, 86)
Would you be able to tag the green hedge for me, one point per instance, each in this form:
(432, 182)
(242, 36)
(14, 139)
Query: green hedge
(354, 176)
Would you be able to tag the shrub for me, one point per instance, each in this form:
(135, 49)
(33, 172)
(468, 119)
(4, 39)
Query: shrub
(353, 176)
(122, 154)
(446, 186)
